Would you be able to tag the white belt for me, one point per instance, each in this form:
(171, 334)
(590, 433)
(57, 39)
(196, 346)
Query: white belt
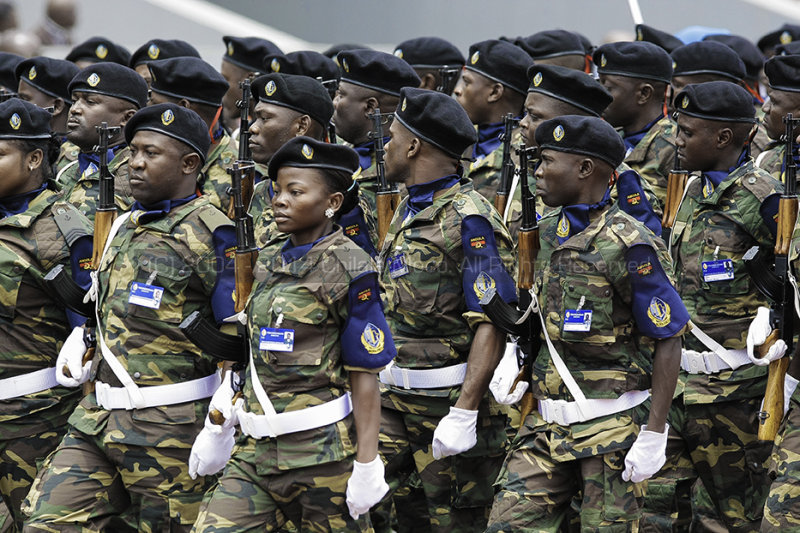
(260, 426)
(29, 383)
(566, 413)
(423, 378)
(710, 363)
(109, 397)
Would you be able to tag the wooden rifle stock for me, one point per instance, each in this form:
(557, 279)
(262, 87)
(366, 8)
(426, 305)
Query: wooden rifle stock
(528, 250)
(243, 263)
(676, 185)
(248, 178)
(386, 203)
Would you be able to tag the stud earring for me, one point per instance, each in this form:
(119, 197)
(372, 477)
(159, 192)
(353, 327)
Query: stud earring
(329, 212)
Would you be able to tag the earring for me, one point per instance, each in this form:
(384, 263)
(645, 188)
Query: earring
(329, 212)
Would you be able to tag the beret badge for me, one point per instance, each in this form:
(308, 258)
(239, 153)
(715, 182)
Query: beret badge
(15, 121)
(558, 133)
(307, 152)
(153, 51)
(101, 51)
(270, 88)
(93, 80)
(167, 117)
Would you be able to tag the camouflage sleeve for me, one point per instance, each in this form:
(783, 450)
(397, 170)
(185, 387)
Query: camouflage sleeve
(367, 343)
(222, 303)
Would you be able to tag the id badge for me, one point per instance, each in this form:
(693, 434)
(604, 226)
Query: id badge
(146, 295)
(577, 320)
(276, 340)
(397, 266)
(720, 270)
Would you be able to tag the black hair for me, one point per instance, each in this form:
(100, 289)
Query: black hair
(50, 149)
(342, 181)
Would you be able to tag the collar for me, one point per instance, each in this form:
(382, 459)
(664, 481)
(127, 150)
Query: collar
(632, 139)
(713, 178)
(488, 139)
(420, 196)
(292, 253)
(141, 214)
(365, 152)
(18, 203)
(89, 162)
(577, 217)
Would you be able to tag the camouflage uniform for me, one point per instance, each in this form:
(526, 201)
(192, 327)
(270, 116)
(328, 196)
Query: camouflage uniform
(654, 156)
(85, 191)
(713, 418)
(549, 463)
(486, 172)
(433, 328)
(761, 141)
(67, 158)
(782, 508)
(296, 481)
(132, 465)
(771, 160)
(214, 179)
(34, 327)
(264, 227)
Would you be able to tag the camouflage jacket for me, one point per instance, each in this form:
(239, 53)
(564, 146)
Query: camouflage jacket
(32, 324)
(771, 160)
(85, 191)
(723, 226)
(214, 179)
(264, 227)
(486, 172)
(309, 296)
(177, 253)
(760, 142)
(67, 158)
(654, 157)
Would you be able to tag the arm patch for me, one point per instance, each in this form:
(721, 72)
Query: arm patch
(366, 339)
(633, 200)
(483, 269)
(222, 303)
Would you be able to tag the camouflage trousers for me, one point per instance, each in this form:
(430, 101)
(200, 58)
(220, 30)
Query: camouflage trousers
(717, 443)
(540, 494)
(310, 499)
(91, 485)
(457, 490)
(782, 509)
(19, 462)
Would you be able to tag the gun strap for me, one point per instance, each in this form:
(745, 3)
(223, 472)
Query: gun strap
(69, 224)
(61, 172)
(733, 360)
(514, 184)
(258, 388)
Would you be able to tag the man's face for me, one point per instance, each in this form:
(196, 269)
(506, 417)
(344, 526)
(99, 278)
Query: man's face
(777, 105)
(142, 70)
(155, 167)
(538, 108)
(395, 162)
(88, 112)
(233, 75)
(154, 98)
(350, 113)
(472, 92)
(557, 178)
(33, 95)
(696, 143)
(622, 110)
(271, 128)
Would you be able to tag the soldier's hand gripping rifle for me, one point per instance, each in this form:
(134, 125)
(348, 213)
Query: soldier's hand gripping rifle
(246, 180)
(676, 185)
(521, 322)
(388, 197)
(507, 173)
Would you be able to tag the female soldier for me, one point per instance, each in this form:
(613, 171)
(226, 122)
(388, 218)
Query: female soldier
(38, 231)
(314, 319)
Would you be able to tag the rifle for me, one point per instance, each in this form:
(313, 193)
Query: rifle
(243, 182)
(246, 249)
(387, 197)
(676, 185)
(447, 75)
(331, 86)
(518, 321)
(507, 175)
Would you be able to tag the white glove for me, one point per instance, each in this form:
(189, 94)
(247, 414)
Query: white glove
(211, 450)
(71, 356)
(757, 334)
(647, 455)
(455, 433)
(789, 386)
(504, 376)
(222, 401)
(366, 487)
(91, 294)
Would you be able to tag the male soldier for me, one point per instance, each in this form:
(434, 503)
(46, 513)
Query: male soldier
(556, 47)
(158, 49)
(243, 58)
(105, 92)
(125, 455)
(43, 81)
(98, 50)
(437, 62)
(752, 59)
(785, 34)
(492, 85)
(637, 75)
(665, 40)
(729, 208)
(610, 334)
(445, 247)
(783, 73)
(192, 83)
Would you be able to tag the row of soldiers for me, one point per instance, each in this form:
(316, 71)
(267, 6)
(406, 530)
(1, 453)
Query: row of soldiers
(641, 386)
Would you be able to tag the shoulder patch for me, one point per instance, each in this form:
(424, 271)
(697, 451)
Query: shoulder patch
(213, 217)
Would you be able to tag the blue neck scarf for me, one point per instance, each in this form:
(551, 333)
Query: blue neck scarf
(141, 214)
(632, 139)
(18, 203)
(713, 178)
(575, 218)
(291, 253)
(365, 152)
(91, 160)
(420, 196)
(488, 139)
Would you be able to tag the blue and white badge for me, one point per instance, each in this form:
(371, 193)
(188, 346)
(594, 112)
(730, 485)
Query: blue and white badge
(577, 320)
(276, 340)
(717, 270)
(146, 295)
(397, 266)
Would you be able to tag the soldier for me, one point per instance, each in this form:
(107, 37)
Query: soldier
(315, 329)
(727, 209)
(306, 63)
(38, 231)
(785, 34)
(637, 75)
(665, 40)
(492, 84)
(159, 49)
(611, 333)
(43, 81)
(557, 47)
(753, 63)
(783, 97)
(437, 62)
(124, 459)
(105, 92)
(445, 247)
(98, 50)
(192, 83)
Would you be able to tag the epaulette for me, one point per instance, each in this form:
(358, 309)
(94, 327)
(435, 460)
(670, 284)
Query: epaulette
(68, 220)
(354, 260)
(466, 205)
(213, 217)
(629, 230)
(759, 182)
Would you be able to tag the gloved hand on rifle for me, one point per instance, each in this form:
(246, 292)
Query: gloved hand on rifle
(71, 358)
(503, 378)
(366, 486)
(647, 455)
(455, 433)
(213, 446)
(222, 401)
(757, 334)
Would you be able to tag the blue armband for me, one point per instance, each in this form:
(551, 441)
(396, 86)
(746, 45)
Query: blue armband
(222, 303)
(366, 339)
(355, 228)
(633, 201)
(483, 268)
(769, 212)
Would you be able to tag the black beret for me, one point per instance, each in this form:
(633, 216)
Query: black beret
(437, 119)
(716, 100)
(99, 50)
(571, 86)
(429, 52)
(48, 75)
(502, 62)
(707, 57)
(300, 93)
(665, 40)
(588, 47)
(8, 70)
(303, 63)
(788, 49)
(551, 43)
(190, 78)
(637, 59)
(783, 35)
(311, 153)
(156, 49)
(783, 73)
(174, 121)
(377, 71)
(576, 134)
(23, 120)
(111, 79)
(248, 52)
(334, 50)
(747, 51)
